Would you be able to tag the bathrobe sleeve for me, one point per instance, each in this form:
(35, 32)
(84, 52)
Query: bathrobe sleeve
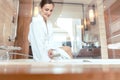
(36, 39)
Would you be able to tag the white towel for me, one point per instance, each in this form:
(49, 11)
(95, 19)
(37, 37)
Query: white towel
(60, 54)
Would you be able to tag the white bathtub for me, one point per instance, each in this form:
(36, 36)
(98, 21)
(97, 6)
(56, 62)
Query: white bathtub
(89, 61)
(72, 61)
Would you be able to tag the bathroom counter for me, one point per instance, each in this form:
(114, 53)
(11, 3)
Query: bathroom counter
(83, 69)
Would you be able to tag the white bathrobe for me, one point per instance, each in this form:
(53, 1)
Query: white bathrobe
(41, 39)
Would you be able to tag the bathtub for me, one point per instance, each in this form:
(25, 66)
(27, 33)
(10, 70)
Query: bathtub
(88, 61)
(72, 61)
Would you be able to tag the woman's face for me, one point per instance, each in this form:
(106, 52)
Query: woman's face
(46, 11)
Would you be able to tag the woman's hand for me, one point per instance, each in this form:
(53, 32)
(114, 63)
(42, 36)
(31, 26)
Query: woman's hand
(50, 53)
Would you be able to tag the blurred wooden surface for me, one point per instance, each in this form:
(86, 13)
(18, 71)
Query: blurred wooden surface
(58, 71)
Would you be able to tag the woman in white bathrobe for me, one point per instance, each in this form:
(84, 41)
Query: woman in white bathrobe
(41, 34)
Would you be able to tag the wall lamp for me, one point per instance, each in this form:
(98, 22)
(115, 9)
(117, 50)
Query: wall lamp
(92, 17)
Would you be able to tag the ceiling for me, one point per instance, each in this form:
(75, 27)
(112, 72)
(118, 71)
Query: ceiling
(70, 1)
(107, 3)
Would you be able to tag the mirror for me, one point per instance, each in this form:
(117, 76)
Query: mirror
(70, 27)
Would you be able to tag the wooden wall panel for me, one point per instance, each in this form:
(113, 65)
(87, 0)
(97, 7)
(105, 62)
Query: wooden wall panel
(112, 19)
(24, 19)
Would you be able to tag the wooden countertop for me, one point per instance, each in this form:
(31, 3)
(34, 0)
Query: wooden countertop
(74, 70)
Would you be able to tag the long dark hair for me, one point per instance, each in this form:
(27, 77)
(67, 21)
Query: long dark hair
(43, 2)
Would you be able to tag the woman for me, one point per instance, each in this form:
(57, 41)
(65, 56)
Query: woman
(40, 35)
